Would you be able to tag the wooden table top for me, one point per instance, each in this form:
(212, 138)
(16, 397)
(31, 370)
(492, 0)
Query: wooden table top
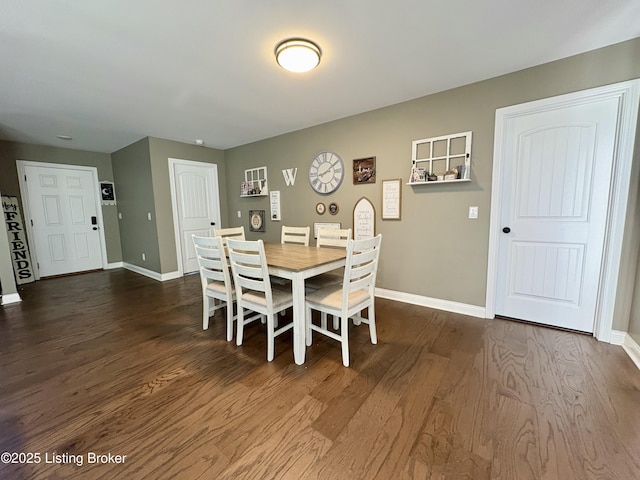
(298, 257)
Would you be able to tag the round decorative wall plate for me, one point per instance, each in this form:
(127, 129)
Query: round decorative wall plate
(333, 208)
(320, 208)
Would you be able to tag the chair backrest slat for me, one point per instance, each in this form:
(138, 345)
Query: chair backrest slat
(249, 266)
(232, 232)
(295, 235)
(361, 265)
(329, 237)
(211, 260)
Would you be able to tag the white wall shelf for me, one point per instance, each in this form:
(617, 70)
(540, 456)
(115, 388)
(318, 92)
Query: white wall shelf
(438, 156)
(255, 183)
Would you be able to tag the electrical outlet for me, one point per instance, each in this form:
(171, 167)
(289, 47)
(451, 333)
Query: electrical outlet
(144, 257)
(119, 215)
(148, 215)
(473, 212)
(239, 214)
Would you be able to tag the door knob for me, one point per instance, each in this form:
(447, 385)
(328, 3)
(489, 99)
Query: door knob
(506, 229)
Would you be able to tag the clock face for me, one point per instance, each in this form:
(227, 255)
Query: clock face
(326, 172)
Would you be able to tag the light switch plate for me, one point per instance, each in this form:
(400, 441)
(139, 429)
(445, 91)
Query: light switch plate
(473, 212)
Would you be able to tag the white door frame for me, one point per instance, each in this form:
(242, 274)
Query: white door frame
(174, 202)
(24, 196)
(628, 94)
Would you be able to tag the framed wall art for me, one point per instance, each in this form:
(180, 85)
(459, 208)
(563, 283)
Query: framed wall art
(319, 225)
(391, 199)
(364, 219)
(364, 170)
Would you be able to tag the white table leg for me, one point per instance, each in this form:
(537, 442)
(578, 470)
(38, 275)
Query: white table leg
(299, 344)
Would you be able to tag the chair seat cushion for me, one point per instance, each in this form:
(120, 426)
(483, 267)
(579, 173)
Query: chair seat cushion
(323, 280)
(218, 287)
(331, 297)
(281, 296)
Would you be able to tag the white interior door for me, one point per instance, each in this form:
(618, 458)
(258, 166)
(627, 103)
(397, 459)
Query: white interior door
(63, 209)
(196, 205)
(557, 170)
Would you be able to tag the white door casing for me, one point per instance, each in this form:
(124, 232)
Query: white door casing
(561, 181)
(196, 206)
(63, 217)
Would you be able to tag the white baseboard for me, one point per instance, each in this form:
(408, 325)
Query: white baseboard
(447, 305)
(633, 349)
(161, 277)
(617, 337)
(111, 266)
(10, 298)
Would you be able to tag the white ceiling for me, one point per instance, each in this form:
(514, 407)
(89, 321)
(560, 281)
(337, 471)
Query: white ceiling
(109, 72)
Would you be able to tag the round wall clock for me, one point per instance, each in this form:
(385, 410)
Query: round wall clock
(326, 172)
(320, 208)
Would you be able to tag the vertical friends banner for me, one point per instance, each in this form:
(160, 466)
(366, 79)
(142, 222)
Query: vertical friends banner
(18, 247)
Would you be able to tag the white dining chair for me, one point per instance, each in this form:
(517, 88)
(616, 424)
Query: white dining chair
(254, 290)
(295, 235)
(215, 280)
(231, 232)
(329, 238)
(345, 301)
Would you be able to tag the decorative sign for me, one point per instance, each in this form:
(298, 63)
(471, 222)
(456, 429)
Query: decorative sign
(256, 221)
(107, 193)
(274, 196)
(289, 175)
(17, 241)
(364, 220)
(329, 225)
(391, 199)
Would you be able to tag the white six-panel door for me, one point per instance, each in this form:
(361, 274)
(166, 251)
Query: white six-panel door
(557, 170)
(196, 205)
(62, 206)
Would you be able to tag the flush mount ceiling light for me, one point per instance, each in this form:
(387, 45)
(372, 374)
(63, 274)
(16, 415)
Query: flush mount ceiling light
(297, 55)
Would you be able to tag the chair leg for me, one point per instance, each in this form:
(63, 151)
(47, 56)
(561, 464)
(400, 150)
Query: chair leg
(229, 320)
(344, 334)
(336, 322)
(307, 322)
(270, 337)
(240, 322)
(372, 325)
(205, 312)
(323, 320)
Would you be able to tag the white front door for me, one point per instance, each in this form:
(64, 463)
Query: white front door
(196, 205)
(557, 170)
(63, 210)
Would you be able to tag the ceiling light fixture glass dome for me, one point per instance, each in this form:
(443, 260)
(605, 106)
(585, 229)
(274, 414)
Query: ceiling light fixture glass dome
(297, 55)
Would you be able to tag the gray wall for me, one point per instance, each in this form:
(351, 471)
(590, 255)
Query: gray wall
(159, 153)
(435, 250)
(12, 151)
(134, 193)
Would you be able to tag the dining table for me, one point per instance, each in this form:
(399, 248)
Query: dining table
(297, 263)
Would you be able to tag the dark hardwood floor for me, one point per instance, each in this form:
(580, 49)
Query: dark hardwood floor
(115, 363)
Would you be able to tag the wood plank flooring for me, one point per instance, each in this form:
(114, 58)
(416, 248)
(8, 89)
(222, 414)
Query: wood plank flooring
(115, 363)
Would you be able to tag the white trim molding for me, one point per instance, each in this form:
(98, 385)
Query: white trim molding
(111, 266)
(439, 304)
(161, 277)
(628, 344)
(10, 298)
